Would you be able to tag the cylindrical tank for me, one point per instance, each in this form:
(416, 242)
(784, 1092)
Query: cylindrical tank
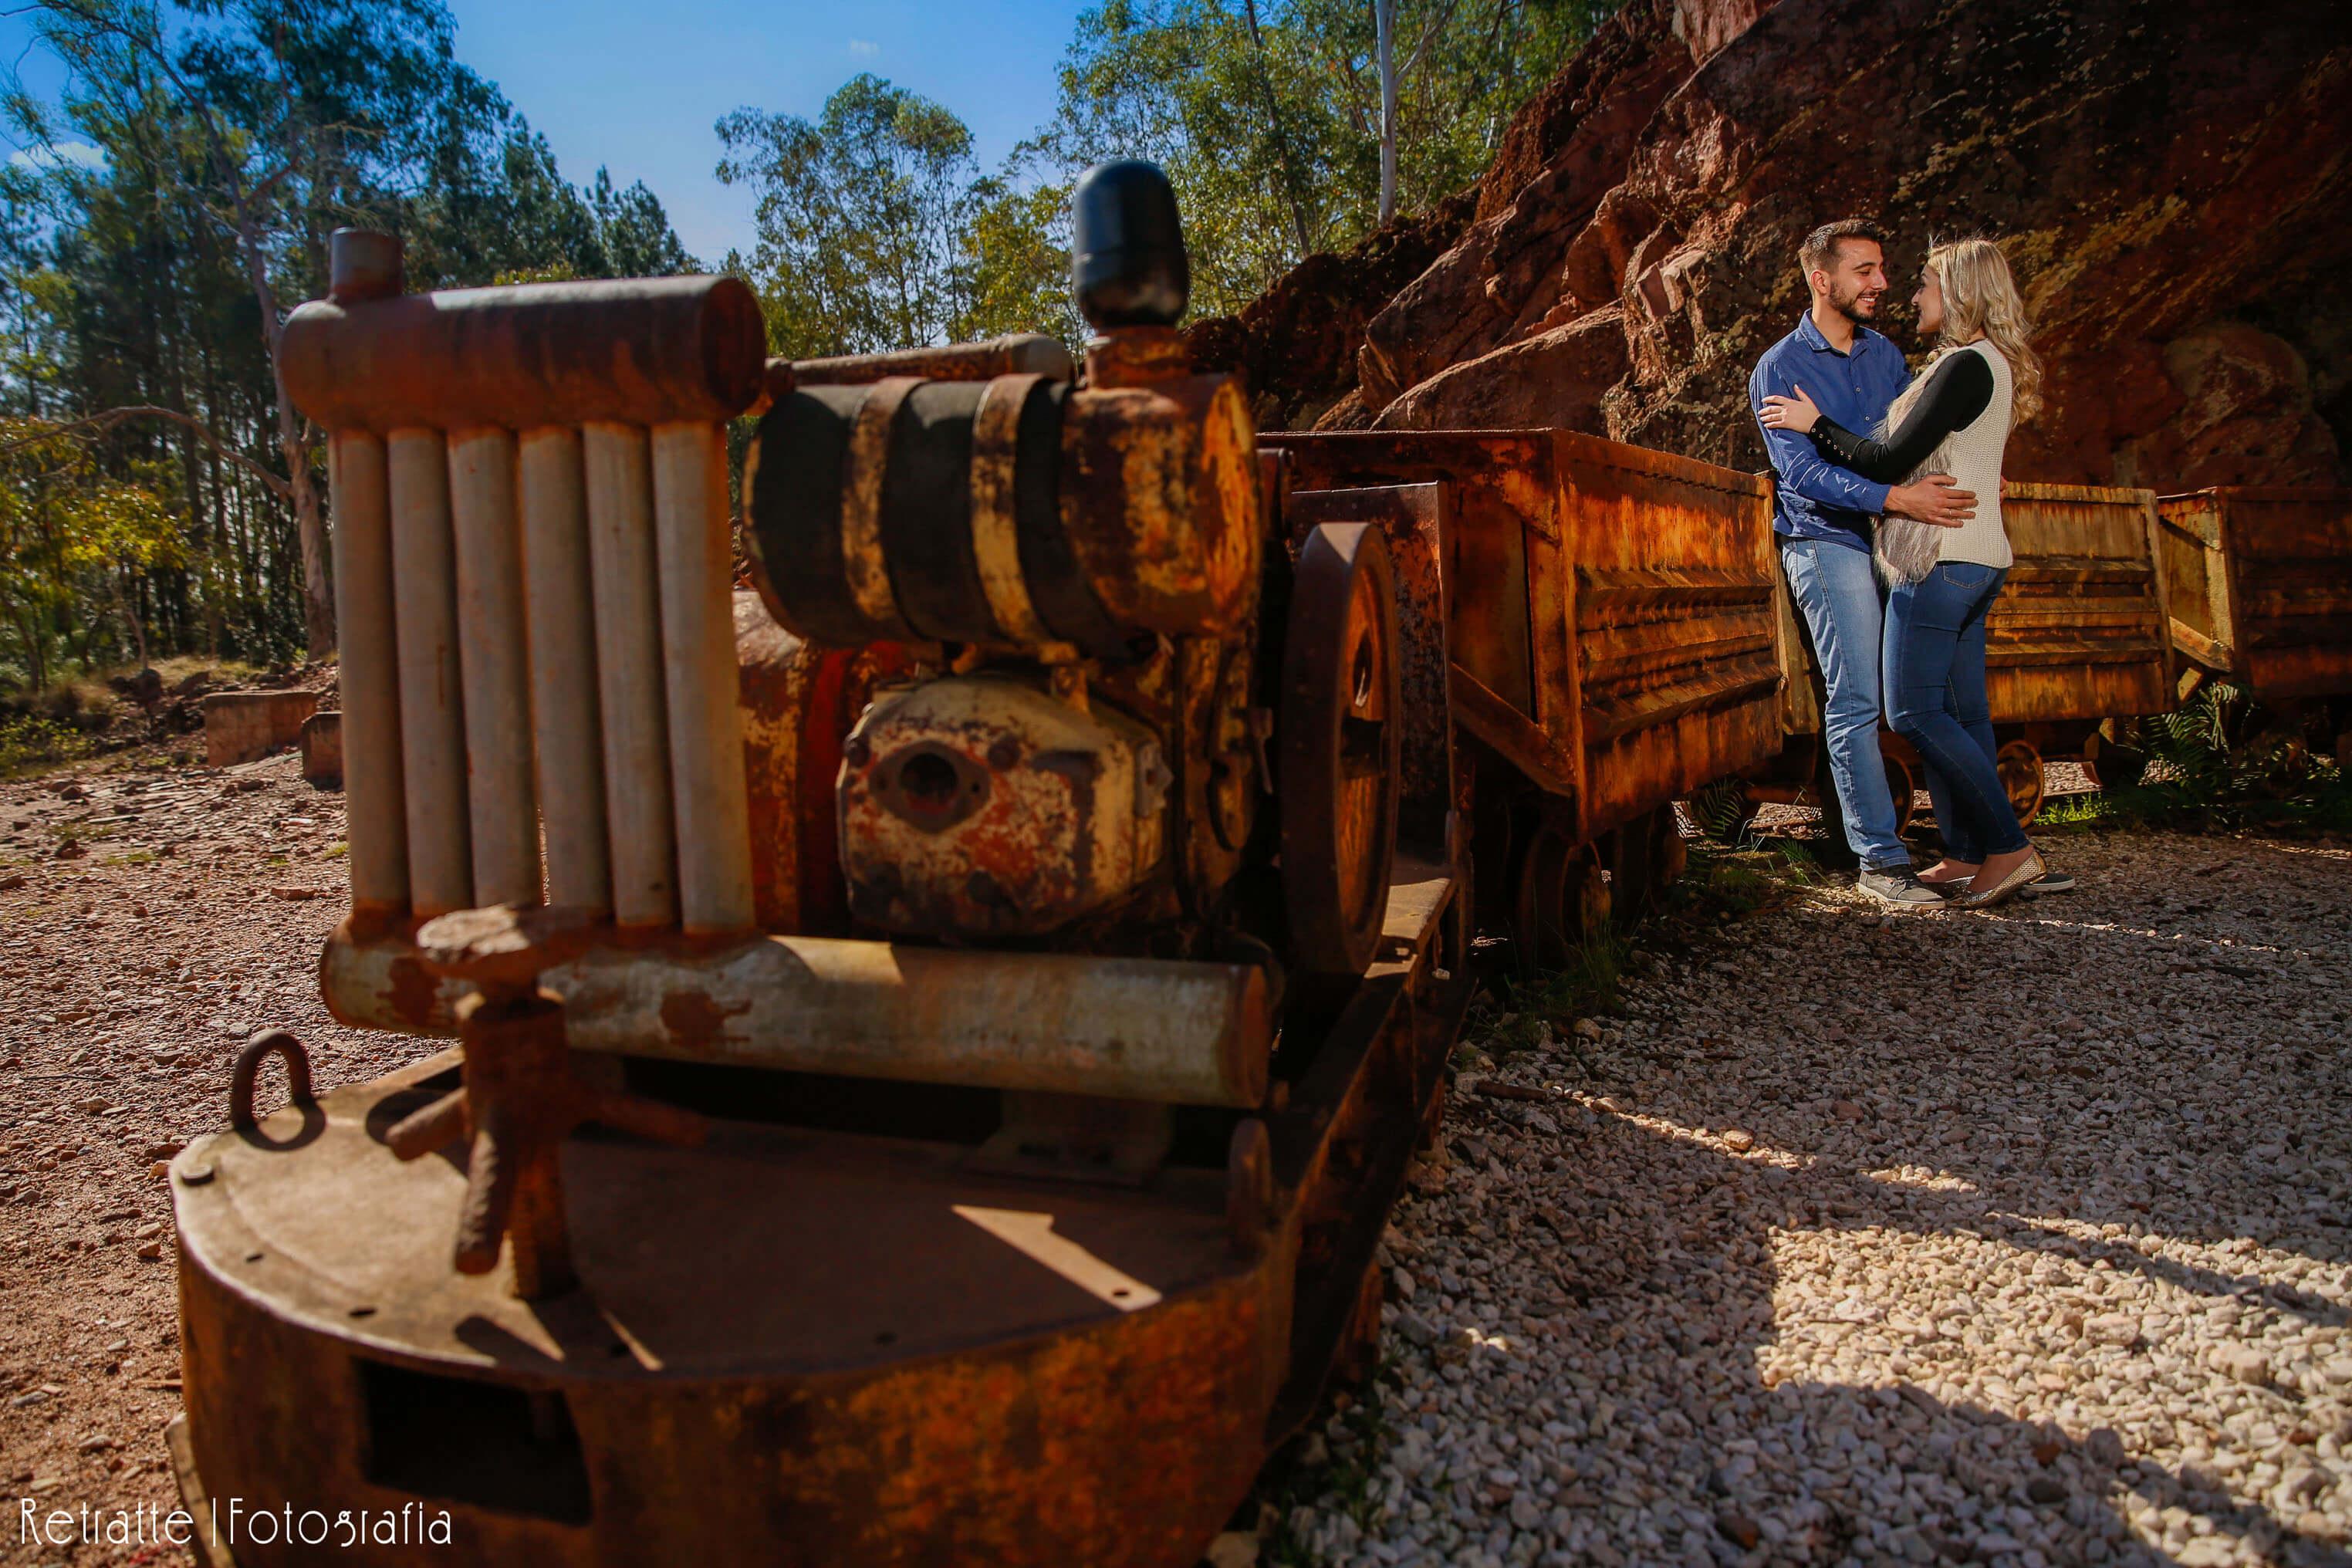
(884, 511)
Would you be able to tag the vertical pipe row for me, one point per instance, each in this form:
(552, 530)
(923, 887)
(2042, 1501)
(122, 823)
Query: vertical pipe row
(623, 572)
(559, 612)
(697, 634)
(431, 704)
(369, 671)
(503, 809)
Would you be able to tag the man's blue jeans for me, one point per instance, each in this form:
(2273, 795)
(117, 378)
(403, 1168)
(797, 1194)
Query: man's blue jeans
(1836, 590)
(1936, 700)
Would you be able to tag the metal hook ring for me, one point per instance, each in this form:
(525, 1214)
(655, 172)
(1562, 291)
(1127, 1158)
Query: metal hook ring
(247, 1071)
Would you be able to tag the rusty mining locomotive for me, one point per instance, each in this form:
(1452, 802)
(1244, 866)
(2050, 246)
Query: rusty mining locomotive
(940, 1029)
(944, 1004)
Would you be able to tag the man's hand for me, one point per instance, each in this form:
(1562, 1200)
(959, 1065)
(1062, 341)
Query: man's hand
(1937, 499)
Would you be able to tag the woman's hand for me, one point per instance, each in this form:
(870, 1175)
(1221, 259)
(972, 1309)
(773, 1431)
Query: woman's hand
(1797, 413)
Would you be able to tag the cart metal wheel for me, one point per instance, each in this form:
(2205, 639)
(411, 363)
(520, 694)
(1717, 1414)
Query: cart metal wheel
(2113, 755)
(2020, 766)
(1669, 854)
(1339, 749)
(1626, 853)
(1562, 900)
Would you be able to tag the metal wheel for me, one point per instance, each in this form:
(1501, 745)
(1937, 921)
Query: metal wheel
(1562, 898)
(1460, 930)
(1669, 854)
(1338, 745)
(1630, 855)
(2113, 756)
(2020, 766)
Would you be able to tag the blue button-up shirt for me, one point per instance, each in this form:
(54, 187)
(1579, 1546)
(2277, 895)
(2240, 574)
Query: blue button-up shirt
(1813, 498)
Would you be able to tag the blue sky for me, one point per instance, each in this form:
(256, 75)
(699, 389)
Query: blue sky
(636, 86)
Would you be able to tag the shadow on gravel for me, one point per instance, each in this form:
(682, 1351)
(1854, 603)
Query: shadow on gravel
(1630, 1344)
(1710, 1411)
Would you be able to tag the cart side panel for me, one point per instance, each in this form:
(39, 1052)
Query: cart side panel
(2196, 579)
(2079, 631)
(2290, 574)
(1801, 694)
(1677, 634)
(1503, 558)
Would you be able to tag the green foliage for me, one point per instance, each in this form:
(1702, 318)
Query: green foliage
(73, 541)
(2221, 761)
(178, 202)
(30, 743)
(877, 232)
(1266, 116)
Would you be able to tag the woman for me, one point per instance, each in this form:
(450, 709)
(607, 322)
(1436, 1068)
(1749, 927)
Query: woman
(1954, 418)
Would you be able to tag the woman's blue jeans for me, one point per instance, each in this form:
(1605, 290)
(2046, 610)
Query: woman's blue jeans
(1935, 684)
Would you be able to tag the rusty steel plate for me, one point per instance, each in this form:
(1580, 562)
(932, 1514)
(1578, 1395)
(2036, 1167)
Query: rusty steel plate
(2258, 583)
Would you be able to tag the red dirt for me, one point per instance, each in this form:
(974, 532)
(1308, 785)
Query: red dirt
(130, 976)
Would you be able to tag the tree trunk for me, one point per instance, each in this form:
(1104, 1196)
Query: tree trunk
(1384, 32)
(309, 517)
(1281, 141)
(311, 528)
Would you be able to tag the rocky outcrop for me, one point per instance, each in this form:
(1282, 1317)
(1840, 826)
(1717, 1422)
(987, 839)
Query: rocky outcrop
(2171, 181)
(1294, 345)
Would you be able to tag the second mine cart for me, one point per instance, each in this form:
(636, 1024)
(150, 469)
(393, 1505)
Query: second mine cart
(1610, 645)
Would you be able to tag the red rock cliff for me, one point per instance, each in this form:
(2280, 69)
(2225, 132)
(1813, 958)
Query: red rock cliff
(2171, 180)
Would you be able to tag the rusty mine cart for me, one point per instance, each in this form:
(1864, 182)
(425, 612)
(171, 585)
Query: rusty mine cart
(945, 1001)
(2259, 584)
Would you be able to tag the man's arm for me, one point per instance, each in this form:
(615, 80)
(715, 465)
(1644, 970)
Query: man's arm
(1797, 465)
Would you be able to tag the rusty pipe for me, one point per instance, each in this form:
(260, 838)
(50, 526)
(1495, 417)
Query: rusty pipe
(1130, 1028)
(633, 350)
(494, 661)
(1017, 353)
(698, 644)
(374, 796)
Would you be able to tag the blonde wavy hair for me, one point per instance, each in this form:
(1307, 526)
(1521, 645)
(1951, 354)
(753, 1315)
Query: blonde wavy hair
(1981, 300)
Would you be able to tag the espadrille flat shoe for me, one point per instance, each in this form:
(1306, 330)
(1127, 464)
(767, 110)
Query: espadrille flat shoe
(2007, 888)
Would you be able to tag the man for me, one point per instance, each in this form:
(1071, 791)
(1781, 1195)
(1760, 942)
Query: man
(1823, 515)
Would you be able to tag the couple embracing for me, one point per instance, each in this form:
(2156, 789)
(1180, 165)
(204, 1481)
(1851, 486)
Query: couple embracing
(1887, 509)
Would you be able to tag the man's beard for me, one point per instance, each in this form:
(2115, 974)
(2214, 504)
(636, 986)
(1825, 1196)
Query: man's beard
(1856, 307)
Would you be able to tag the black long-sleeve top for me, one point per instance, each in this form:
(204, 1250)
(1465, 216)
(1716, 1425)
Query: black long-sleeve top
(1958, 389)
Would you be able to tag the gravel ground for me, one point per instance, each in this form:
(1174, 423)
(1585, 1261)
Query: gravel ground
(2017, 1237)
(2064, 1285)
(129, 974)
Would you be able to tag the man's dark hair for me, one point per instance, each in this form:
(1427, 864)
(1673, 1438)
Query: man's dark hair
(1820, 249)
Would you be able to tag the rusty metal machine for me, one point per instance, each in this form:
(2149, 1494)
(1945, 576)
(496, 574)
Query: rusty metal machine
(940, 1029)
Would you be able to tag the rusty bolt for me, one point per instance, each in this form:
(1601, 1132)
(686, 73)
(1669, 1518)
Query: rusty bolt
(1004, 754)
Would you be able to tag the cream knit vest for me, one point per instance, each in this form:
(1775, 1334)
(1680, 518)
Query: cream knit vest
(1972, 457)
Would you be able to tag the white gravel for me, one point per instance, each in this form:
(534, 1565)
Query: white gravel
(2017, 1237)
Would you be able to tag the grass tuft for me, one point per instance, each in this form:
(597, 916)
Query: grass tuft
(33, 744)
